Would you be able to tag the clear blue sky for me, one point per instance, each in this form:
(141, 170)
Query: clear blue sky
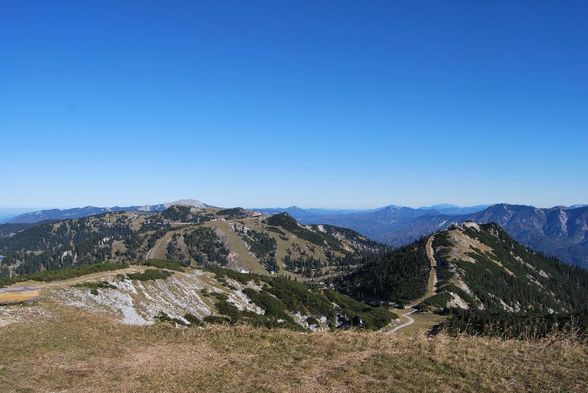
(314, 103)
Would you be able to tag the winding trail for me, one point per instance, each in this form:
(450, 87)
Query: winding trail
(26, 286)
(405, 324)
(431, 289)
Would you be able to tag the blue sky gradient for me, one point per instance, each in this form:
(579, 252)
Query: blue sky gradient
(313, 103)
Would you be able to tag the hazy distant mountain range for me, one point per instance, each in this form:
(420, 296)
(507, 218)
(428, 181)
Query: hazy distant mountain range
(442, 208)
(79, 212)
(445, 208)
(21, 216)
(558, 231)
(8, 213)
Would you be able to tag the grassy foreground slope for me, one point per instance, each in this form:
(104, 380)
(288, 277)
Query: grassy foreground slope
(73, 351)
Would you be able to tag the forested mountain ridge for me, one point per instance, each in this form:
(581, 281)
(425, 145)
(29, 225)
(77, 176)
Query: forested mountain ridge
(235, 238)
(480, 267)
(477, 267)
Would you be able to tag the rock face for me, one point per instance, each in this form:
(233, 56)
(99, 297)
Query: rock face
(142, 302)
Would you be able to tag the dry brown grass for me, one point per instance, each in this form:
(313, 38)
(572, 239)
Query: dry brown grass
(423, 323)
(73, 351)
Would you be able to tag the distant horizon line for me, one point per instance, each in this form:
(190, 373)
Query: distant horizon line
(431, 206)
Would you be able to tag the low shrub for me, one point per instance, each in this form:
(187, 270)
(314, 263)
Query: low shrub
(96, 285)
(215, 319)
(193, 319)
(165, 264)
(150, 275)
(164, 317)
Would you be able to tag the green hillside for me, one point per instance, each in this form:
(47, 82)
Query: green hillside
(234, 238)
(399, 275)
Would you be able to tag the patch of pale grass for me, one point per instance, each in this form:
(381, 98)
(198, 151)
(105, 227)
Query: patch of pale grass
(19, 296)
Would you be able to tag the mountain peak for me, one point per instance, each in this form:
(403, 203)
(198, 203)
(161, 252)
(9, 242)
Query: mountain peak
(186, 202)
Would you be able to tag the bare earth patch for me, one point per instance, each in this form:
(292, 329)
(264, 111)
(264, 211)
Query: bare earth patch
(464, 245)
